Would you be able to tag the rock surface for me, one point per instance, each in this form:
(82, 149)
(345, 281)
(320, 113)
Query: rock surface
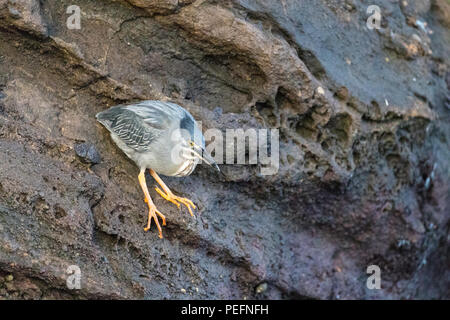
(364, 149)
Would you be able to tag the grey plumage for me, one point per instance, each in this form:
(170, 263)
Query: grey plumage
(160, 136)
(138, 125)
(129, 127)
(146, 133)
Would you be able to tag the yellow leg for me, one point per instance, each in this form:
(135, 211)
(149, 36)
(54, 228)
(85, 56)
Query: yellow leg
(169, 196)
(152, 211)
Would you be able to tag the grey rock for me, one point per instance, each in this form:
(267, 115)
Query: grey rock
(350, 182)
(87, 153)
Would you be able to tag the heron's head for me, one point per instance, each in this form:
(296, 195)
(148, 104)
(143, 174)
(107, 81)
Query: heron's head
(194, 148)
(200, 153)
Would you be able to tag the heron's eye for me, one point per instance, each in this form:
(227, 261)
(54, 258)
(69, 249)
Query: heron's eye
(191, 143)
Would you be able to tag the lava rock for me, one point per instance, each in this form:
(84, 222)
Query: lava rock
(87, 153)
(349, 191)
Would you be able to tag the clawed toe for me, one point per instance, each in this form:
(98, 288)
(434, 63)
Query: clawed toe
(153, 213)
(176, 199)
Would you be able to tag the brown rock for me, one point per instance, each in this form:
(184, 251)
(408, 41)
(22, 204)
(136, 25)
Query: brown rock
(308, 231)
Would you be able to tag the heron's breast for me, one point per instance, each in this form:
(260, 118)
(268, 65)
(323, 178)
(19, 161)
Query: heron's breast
(186, 168)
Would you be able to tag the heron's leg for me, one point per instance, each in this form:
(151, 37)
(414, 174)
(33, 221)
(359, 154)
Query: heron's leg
(152, 211)
(169, 196)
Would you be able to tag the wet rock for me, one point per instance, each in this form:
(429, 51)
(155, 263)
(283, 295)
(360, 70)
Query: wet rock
(415, 7)
(342, 93)
(24, 14)
(350, 188)
(87, 153)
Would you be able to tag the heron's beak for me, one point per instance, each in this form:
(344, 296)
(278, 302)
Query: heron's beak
(206, 157)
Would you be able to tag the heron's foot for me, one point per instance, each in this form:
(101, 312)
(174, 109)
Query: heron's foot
(153, 213)
(176, 199)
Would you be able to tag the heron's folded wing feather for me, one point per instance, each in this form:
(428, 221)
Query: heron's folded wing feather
(157, 113)
(138, 125)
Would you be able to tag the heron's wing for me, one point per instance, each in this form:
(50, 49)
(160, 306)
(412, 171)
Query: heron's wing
(138, 125)
(157, 114)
